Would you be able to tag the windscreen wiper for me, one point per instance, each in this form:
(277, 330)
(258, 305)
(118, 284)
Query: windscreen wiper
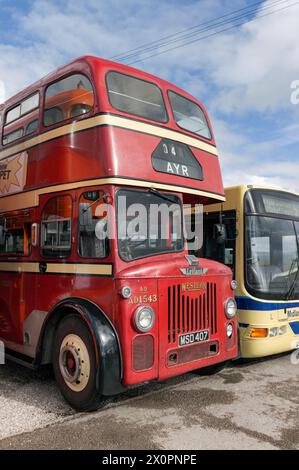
(161, 195)
(90, 205)
(293, 285)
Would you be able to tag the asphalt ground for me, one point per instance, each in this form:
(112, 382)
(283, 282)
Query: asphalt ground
(246, 406)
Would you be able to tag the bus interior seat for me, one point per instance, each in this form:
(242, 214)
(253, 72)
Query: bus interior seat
(53, 115)
(79, 109)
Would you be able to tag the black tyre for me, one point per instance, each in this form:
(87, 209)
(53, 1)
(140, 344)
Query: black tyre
(74, 363)
(212, 370)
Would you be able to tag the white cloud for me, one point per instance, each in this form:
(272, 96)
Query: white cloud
(52, 33)
(2, 92)
(245, 161)
(250, 67)
(256, 64)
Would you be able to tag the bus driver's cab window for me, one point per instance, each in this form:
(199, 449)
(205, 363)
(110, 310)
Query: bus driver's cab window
(220, 246)
(92, 226)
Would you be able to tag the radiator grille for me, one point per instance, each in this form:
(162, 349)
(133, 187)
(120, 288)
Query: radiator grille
(189, 312)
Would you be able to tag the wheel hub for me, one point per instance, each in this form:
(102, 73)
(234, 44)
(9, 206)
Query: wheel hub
(70, 363)
(74, 362)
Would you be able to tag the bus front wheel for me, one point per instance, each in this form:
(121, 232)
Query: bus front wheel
(74, 363)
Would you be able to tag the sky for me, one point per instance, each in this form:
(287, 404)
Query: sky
(243, 75)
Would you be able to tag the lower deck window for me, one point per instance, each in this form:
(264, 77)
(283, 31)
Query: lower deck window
(15, 237)
(92, 242)
(56, 228)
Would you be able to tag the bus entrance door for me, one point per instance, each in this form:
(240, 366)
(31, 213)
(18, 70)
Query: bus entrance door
(14, 246)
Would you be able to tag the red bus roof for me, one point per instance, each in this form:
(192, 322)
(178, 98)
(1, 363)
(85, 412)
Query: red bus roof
(93, 67)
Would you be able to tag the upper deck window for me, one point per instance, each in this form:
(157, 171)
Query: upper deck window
(26, 106)
(68, 98)
(31, 127)
(18, 118)
(12, 136)
(188, 115)
(134, 96)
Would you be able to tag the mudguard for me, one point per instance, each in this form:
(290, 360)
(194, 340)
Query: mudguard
(109, 373)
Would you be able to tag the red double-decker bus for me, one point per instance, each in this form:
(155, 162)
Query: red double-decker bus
(108, 311)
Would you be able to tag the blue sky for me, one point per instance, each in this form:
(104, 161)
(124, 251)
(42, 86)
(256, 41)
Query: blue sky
(243, 75)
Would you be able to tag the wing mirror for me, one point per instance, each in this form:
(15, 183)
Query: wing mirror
(219, 233)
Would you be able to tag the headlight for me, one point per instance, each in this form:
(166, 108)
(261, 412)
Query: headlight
(144, 319)
(234, 285)
(230, 308)
(282, 330)
(126, 292)
(272, 332)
